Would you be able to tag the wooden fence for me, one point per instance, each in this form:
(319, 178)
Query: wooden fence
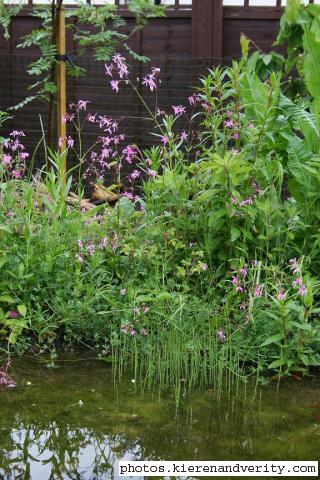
(193, 36)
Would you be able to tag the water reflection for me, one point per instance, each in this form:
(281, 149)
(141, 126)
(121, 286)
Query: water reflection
(73, 423)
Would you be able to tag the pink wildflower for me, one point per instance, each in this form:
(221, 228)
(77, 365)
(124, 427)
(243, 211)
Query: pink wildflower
(164, 140)
(221, 335)
(244, 272)
(184, 136)
(178, 110)
(135, 174)
(70, 142)
(228, 123)
(258, 291)
(79, 258)
(282, 294)
(303, 291)
(115, 85)
(298, 282)
(143, 332)
(152, 173)
(13, 314)
(7, 159)
(150, 82)
(236, 135)
(17, 174)
(103, 243)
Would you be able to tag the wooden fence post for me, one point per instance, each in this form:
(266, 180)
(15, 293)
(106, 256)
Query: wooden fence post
(207, 29)
(62, 129)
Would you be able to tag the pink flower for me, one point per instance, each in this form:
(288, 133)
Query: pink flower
(115, 85)
(258, 291)
(229, 123)
(239, 289)
(5, 380)
(236, 136)
(103, 243)
(221, 335)
(234, 151)
(193, 99)
(13, 314)
(150, 82)
(234, 200)
(17, 174)
(135, 174)
(244, 272)
(235, 280)
(17, 133)
(82, 105)
(298, 282)
(91, 117)
(303, 291)
(79, 258)
(128, 195)
(164, 140)
(143, 332)
(184, 136)
(60, 142)
(130, 153)
(250, 125)
(91, 249)
(70, 142)
(80, 243)
(109, 69)
(7, 159)
(178, 110)
(294, 266)
(282, 294)
(152, 173)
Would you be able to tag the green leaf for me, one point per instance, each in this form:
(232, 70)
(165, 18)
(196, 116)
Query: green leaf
(7, 299)
(278, 363)
(22, 309)
(274, 339)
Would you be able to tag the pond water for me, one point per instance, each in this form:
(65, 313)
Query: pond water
(73, 422)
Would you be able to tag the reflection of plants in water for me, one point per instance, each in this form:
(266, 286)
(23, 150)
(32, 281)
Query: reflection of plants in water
(60, 450)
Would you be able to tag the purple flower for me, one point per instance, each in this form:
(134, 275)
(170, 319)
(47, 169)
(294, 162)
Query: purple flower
(303, 291)
(184, 136)
(282, 294)
(5, 380)
(70, 142)
(79, 258)
(152, 173)
(17, 133)
(13, 314)
(150, 82)
(178, 110)
(91, 249)
(235, 280)
(109, 69)
(7, 159)
(298, 282)
(250, 125)
(258, 291)
(115, 85)
(164, 140)
(130, 153)
(244, 272)
(135, 174)
(236, 136)
(229, 123)
(103, 243)
(17, 174)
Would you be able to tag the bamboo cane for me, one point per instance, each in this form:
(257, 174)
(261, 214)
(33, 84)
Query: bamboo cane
(62, 130)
